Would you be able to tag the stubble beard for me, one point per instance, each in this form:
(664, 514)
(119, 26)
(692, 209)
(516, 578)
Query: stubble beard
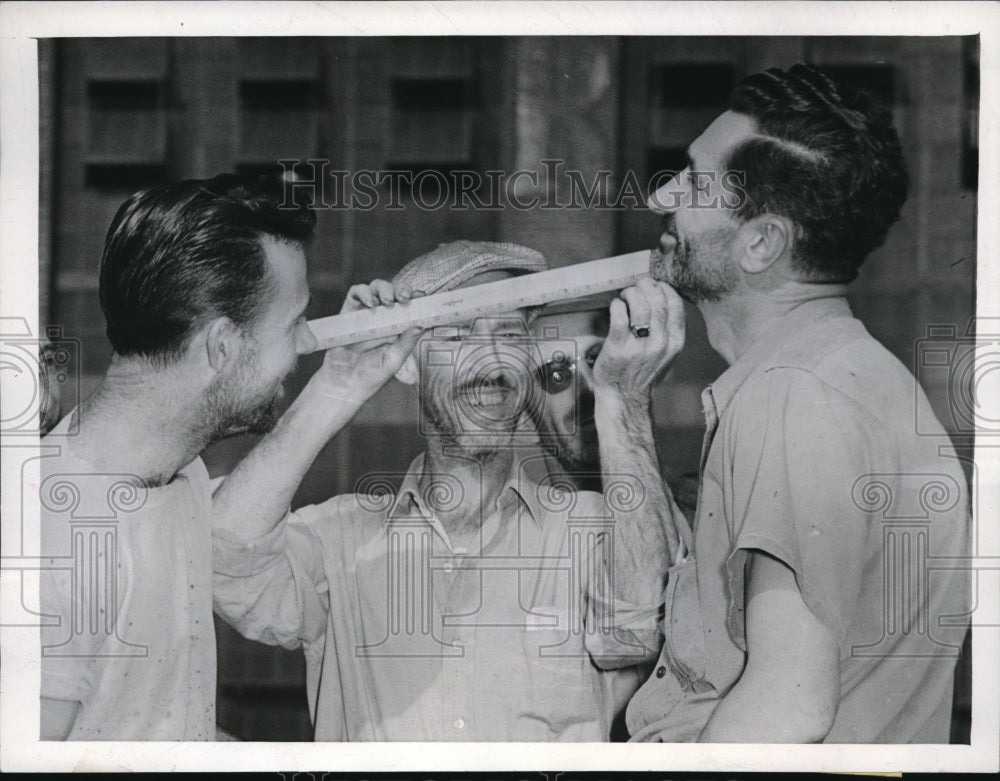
(574, 452)
(232, 412)
(698, 270)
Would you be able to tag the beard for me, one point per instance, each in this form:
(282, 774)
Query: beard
(578, 451)
(232, 410)
(698, 268)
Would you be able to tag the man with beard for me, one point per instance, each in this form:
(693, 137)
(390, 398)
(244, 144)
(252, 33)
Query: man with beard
(203, 288)
(805, 614)
(470, 604)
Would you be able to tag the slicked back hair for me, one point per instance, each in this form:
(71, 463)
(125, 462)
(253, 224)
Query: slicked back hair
(179, 255)
(827, 158)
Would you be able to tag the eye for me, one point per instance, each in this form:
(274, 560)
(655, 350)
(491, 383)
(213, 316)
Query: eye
(592, 355)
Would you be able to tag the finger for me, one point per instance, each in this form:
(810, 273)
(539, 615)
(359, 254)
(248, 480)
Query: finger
(403, 292)
(673, 312)
(639, 309)
(618, 327)
(655, 294)
(384, 291)
(397, 352)
(360, 296)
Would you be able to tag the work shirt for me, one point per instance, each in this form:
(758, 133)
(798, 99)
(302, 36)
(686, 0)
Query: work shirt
(811, 455)
(408, 638)
(126, 590)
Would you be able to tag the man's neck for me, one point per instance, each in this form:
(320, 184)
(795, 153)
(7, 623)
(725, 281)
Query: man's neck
(142, 420)
(736, 322)
(469, 483)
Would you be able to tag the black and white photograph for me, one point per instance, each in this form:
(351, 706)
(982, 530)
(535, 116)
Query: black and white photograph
(500, 386)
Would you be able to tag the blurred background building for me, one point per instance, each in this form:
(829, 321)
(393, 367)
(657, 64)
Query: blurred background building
(121, 114)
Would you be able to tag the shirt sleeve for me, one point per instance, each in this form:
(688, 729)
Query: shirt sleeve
(620, 633)
(795, 453)
(272, 589)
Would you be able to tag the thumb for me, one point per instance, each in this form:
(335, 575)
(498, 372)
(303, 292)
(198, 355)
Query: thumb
(396, 353)
(618, 327)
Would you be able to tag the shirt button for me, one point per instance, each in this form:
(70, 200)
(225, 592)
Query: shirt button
(459, 723)
(661, 671)
(447, 566)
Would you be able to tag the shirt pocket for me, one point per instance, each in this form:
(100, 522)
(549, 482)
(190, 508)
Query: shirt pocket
(559, 679)
(683, 629)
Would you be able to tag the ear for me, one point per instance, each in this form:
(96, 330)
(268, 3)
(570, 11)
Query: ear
(223, 343)
(408, 373)
(764, 240)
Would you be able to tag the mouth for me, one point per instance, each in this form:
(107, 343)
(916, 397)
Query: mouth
(494, 393)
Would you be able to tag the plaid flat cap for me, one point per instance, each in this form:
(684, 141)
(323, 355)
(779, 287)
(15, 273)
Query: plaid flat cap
(456, 262)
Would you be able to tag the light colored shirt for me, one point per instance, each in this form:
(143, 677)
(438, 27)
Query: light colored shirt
(812, 456)
(408, 638)
(126, 590)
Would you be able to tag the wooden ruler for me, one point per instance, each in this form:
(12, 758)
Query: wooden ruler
(487, 300)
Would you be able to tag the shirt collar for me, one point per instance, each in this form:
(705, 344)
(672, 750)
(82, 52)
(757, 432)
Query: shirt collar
(787, 330)
(408, 503)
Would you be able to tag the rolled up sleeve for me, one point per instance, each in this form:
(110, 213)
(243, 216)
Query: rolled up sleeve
(620, 633)
(272, 589)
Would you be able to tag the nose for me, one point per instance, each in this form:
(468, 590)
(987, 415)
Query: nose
(584, 379)
(306, 341)
(668, 197)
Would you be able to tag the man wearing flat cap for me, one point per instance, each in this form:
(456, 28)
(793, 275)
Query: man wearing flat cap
(471, 604)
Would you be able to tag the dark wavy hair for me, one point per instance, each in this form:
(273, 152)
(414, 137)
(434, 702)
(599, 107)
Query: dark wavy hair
(179, 255)
(827, 158)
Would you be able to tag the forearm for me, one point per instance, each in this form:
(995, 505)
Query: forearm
(646, 537)
(758, 711)
(258, 492)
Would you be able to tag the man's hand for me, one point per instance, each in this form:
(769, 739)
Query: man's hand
(355, 372)
(629, 364)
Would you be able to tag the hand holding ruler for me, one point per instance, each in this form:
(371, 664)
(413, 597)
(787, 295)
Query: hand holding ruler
(487, 300)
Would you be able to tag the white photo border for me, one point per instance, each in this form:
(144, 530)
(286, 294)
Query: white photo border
(22, 23)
